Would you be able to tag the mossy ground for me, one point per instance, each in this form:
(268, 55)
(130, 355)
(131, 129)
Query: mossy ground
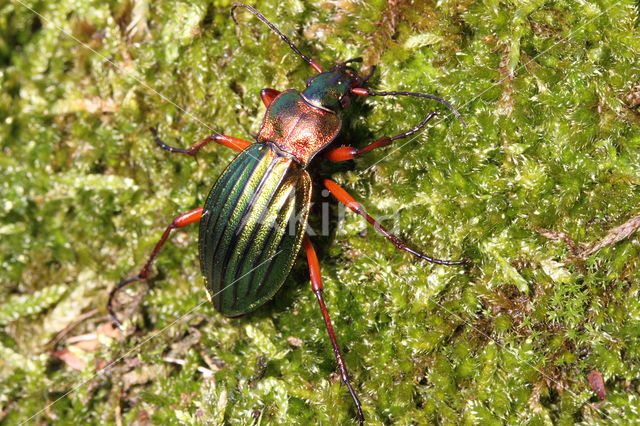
(550, 93)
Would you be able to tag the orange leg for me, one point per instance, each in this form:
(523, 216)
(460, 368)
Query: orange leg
(316, 286)
(267, 95)
(228, 141)
(348, 201)
(179, 222)
(344, 153)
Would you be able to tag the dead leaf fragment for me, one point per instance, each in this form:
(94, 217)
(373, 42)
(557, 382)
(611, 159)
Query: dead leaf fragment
(597, 384)
(69, 358)
(296, 342)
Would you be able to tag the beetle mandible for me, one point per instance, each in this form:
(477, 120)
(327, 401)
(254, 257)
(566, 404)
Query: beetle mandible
(246, 245)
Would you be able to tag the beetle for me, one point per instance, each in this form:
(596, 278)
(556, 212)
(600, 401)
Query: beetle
(254, 220)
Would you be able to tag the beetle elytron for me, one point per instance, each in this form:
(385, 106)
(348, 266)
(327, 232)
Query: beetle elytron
(246, 247)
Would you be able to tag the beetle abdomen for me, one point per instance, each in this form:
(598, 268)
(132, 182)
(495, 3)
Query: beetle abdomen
(251, 229)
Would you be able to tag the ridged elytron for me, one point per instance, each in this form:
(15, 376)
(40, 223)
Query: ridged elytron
(247, 246)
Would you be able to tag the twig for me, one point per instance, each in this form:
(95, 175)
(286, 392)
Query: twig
(553, 235)
(613, 236)
(70, 327)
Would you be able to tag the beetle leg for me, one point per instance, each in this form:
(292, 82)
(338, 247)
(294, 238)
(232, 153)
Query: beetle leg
(344, 153)
(228, 141)
(317, 287)
(267, 95)
(366, 92)
(348, 201)
(179, 222)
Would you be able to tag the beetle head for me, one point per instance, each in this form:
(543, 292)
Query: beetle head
(331, 89)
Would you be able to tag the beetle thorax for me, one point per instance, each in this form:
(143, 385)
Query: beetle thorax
(298, 127)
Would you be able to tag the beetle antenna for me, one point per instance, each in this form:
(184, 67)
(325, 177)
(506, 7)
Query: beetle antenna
(284, 38)
(365, 92)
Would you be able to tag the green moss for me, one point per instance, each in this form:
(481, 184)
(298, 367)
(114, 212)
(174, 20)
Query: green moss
(550, 144)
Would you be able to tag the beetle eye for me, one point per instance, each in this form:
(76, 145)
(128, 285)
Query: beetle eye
(345, 101)
(309, 80)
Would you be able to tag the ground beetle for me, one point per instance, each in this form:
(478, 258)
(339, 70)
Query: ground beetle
(247, 246)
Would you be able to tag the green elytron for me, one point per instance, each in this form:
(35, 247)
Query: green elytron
(254, 220)
(245, 239)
